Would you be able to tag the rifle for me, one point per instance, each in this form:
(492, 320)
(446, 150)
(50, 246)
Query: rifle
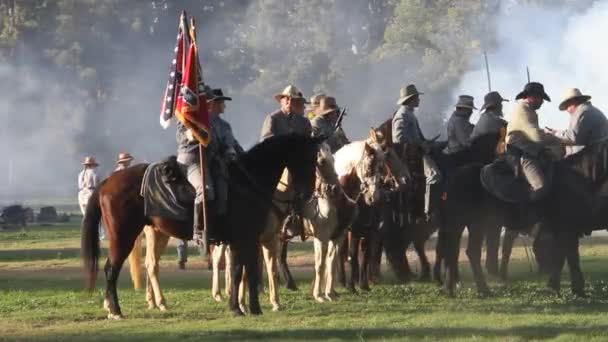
(340, 118)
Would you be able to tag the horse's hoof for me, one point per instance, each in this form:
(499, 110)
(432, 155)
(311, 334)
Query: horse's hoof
(217, 298)
(243, 308)
(238, 313)
(352, 290)
(114, 317)
(319, 299)
(276, 307)
(329, 297)
(162, 308)
(292, 287)
(256, 311)
(151, 306)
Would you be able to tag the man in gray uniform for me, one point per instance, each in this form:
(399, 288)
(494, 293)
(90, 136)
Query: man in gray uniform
(588, 124)
(222, 149)
(412, 144)
(459, 127)
(289, 118)
(324, 124)
(490, 121)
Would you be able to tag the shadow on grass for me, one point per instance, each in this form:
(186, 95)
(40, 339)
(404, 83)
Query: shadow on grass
(432, 333)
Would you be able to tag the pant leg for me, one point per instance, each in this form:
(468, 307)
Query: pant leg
(182, 251)
(535, 175)
(193, 173)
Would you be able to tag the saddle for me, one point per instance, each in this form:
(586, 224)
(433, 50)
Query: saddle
(167, 193)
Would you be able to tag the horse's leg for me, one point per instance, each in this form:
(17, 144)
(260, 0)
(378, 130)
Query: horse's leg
(330, 266)
(270, 250)
(450, 252)
(253, 277)
(342, 259)
(492, 246)
(507, 248)
(577, 281)
(135, 263)
(320, 254)
(156, 242)
(476, 238)
(227, 270)
(560, 244)
(237, 277)
(216, 257)
(419, 243)
(353, 258)
(290, 284)
(365, 262)
(438, 259)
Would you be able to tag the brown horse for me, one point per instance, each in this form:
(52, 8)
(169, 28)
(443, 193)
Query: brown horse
(253, 181)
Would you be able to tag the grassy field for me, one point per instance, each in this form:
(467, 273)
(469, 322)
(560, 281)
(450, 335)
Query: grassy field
(41, 298)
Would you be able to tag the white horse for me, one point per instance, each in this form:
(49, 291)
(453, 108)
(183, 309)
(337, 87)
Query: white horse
(217, 253)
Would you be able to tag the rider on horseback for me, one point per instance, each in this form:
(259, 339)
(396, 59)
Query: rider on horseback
(222, 149)
(408, 137)
(324, 124)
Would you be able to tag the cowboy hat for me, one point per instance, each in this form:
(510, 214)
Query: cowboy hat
(407, 92)
(328, 105)
(217, 95)
(492, 98)
(315, 100)
(570, 95)
(465, 101)
(90, 161)
(124, 157)
(533, 88)
(292, 92)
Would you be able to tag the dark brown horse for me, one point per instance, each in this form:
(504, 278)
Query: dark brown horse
(252, 184)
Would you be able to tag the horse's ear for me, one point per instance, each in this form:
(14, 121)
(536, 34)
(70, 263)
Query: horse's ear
(368, 148)
(372, 135)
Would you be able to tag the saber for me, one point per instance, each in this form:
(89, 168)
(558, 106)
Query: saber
(528, 73)
(485, 56)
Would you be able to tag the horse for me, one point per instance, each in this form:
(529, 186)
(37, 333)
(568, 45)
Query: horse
(358, 165)
(579, 185)
(253, 178)
(217, 253)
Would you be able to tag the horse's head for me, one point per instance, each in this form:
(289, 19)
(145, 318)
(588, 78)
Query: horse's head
(302, 163)
(368, 170)
(327, 180)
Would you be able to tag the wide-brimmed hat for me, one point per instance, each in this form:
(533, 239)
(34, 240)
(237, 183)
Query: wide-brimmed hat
(572, 94)
(533, 88)
(407, 93)
(491, 99)
(315, 100)
(292, 92)
(217, 95)
(90, 161)
(123, 158)
(328, 105)
(466, 101)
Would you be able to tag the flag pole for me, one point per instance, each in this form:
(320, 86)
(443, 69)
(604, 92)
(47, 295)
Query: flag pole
(201, 148)
(528, 73)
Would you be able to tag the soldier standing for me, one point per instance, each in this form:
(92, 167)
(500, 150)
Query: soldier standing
(87, 182)
(123, 161)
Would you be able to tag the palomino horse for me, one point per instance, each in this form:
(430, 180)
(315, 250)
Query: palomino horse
(252, 182)
(270, 238)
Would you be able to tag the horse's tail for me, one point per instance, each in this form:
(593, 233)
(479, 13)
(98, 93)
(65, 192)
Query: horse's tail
(135, 263)
(89, 244)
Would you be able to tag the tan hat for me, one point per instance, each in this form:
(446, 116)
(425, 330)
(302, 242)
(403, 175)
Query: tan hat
(90, 161)
(315, 100)
(292, 92)
(328, 105)
(124, 157)
(572, 94)
(407, 92)
(465, 101)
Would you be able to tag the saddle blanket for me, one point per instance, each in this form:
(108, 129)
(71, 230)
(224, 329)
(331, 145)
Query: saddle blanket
(499, 179)
(167, 193)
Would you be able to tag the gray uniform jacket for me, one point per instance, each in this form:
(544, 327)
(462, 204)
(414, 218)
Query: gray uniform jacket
(322, 126)
(187, 150)
(279, 123)
(488, 123)
(587, 126)
(406, 129)
(223, 145)
(459, 131)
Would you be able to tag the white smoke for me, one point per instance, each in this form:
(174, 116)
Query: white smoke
(562, 49)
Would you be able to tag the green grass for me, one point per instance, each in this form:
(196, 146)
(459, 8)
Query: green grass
(41, 298)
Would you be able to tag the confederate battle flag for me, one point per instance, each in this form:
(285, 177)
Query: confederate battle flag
(183, 96)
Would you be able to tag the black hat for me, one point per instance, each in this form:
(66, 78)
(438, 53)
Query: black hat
(533, 88)
(492, 98)
(217, 95)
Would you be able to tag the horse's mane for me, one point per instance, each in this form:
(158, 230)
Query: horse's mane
(591, 162)
(270, 146)
(349, 155)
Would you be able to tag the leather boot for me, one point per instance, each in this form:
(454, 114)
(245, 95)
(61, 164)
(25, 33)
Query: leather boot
(199, 234)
